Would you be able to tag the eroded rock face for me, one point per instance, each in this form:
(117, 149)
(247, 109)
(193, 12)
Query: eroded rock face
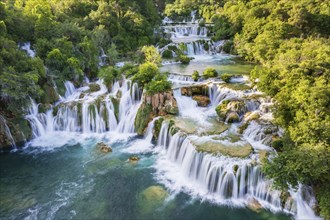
(159, 104)
(195, 90)
(162, 103)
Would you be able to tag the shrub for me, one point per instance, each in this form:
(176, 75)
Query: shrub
(226, 77)
(210, 73)
(195, 76)
(108, 74)
(129, 70)
(167, 54)
(227, 47)
(158, 84)
(184, 59)
(147, 71)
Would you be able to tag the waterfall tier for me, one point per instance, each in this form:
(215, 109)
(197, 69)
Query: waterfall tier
(95, 112)
(220, 179)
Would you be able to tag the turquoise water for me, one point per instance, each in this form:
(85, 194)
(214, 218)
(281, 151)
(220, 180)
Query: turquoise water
(223, 63)
(77, 181)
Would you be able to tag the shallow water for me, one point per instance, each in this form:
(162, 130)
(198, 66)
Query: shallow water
(223, 63)
(77, 181)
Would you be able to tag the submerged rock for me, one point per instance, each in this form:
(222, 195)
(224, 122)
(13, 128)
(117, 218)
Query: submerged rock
(133, 158)
(151, 198)
(104, 148)
(223, 148)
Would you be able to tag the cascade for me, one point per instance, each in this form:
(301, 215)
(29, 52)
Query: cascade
(220, 179)
(69, 89)
(94, 113)
(4, 129)
(102, 57)
(27, 47)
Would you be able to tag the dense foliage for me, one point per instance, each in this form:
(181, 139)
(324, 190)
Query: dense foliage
(68, 38)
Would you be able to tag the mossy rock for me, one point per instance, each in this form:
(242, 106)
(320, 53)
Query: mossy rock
(237, 86)
(151, 198)
(157, 127)
(172, 127)
(215, 148)
(216, 128)
(94, 87)
(221, 110)
(116, 103)
(186, 125)
(242, 128)
(232, 117)
(143, 117)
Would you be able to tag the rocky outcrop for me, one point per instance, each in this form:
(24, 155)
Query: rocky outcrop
(231, 110)
(202, 90)
(13, 131)
(159, 104)
(162, 103)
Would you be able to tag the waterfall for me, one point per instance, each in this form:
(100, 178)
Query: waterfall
(4, 129)
(221, 179)
(218, 93)
(149, 134)
(259, 135)
(69, 89)
(128, 107)
(94, 113)
(27, 47)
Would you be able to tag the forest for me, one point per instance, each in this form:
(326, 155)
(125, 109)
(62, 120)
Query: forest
(288, 41)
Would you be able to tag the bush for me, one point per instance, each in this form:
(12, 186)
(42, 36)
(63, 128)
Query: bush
(201, 23)
(225, 77)
(108, 74)
(195, 76)
(167, 54)
(94, 87)
(227, 47)
(129, 70)
(184, 59)
(158, 84)
(210, 73)
(147, 71)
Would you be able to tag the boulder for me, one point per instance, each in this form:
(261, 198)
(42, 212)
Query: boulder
(202, 100)
(104, 148)
(94, 87)
(134, 159)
